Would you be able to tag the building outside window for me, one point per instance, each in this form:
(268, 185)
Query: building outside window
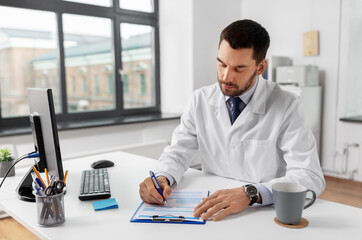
(110, 86)
(138, 59)
(84, 84)
(96, 85)
(74, 85)
(125, 84)
(53, 48)
(142, 84)
(24, 42)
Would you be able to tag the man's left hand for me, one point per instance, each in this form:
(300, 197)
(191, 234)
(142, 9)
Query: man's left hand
(224, 202)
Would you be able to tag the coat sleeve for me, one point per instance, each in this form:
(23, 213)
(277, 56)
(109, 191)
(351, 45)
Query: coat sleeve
(297, 145)
(177, 157)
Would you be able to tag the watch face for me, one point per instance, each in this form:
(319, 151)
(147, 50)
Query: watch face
(251, 191)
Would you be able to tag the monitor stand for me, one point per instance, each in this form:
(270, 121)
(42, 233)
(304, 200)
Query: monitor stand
(25, 189)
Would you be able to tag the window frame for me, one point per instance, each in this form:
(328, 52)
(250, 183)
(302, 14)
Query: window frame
(117, 16)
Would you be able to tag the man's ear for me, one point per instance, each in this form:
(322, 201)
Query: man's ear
(262, 66)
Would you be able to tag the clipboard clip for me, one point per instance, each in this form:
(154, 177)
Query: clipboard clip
(167, 218)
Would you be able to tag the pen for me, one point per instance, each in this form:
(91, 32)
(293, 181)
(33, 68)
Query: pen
(46, 174)
(157, 185)
(37, 173)
(40, 183)
(38, 189)
(52, 180)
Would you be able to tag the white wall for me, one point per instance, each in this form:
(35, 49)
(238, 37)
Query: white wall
(189, 32)
(210, 18)
(83, 142)
(176, 45)
(286, 21)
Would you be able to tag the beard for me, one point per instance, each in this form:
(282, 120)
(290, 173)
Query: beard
(236, 91)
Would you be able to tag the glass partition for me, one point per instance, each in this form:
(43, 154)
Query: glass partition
(351, 51)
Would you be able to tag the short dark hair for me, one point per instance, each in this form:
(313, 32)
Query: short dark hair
(247, 34)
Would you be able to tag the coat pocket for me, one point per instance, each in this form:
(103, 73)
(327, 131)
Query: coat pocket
(260, 158)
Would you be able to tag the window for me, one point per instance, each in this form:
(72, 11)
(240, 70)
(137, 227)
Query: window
(88, 49)
(138, 61)
(352, 50)
(140, 5)
(79, 48)
(25, 44)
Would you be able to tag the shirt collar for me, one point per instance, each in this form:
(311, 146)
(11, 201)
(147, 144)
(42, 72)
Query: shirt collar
(246, 96)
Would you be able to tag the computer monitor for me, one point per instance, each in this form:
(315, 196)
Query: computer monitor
(41, 105)
(45, 137)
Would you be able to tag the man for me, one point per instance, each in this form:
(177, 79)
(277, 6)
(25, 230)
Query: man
(267, 142)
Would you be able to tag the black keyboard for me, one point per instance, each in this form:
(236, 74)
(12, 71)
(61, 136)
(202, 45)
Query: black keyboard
(94, 185)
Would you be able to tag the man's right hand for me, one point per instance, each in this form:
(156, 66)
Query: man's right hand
(148, 191)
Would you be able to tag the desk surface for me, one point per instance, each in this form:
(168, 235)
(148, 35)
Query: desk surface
(327, 220)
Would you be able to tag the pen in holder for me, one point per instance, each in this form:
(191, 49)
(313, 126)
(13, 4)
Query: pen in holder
(50, 210)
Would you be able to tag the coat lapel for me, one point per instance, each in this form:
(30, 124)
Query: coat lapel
(256, 106)
(221, 113)
(258, 101)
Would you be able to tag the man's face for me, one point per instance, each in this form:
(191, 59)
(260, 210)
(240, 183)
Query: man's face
(237, 70)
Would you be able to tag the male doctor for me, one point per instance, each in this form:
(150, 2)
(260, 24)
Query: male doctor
(245, 128)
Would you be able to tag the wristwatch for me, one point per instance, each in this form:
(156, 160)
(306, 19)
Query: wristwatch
(252, 192)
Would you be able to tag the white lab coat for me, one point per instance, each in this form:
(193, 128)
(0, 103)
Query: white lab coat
(269, 142)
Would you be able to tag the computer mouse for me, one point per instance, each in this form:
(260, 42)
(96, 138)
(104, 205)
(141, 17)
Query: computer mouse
(102, 164)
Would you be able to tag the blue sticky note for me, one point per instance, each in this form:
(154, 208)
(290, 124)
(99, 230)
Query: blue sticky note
(105, 204)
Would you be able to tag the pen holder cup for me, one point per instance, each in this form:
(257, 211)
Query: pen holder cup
(50, 210)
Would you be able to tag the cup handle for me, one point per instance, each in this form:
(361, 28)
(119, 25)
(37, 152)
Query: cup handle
(312, 200)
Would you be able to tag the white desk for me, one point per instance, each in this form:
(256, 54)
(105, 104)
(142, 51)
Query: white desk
(327, 220)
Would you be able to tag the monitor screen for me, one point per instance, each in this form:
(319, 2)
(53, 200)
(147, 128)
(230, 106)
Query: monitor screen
(44, 129)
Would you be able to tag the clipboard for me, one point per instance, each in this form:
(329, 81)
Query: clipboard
(178, 211)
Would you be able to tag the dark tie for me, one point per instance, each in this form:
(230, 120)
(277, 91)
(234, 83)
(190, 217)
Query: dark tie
(237, 106)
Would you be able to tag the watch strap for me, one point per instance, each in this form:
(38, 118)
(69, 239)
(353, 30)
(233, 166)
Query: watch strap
(253, 198)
